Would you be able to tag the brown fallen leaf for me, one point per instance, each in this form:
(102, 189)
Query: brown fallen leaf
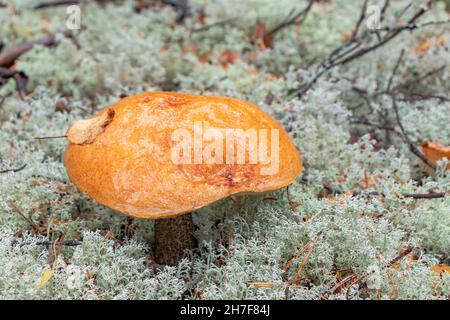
(229, 57)
(427, 44)
(434, 151)
(261, 36)
(440, 269)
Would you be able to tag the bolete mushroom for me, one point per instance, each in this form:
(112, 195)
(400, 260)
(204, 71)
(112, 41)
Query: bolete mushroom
(163, 155)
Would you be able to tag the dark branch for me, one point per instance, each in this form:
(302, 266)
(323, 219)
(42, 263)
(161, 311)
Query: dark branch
(384, 10)
(360, 21)
(420, 78)
(388, 88)
(19, 211)
(360, 44)
(55, 3)
(180, 6)
(431, 195)
(14, 170)
(412, 147)
(19, 77)
(400, 13)
(212, 25)
(413, 26)
(9, 56)
(50, 137)
(405, 251)
(69, 243)
(290, 20)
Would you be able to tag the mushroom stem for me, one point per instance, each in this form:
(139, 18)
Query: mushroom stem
(172, 237)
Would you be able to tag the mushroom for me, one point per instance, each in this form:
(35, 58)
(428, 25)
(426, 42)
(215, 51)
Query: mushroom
(162, 155)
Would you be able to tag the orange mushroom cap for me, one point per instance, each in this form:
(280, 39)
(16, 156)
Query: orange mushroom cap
(162, 154)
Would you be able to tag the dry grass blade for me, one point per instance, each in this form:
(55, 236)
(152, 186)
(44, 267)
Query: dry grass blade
(298, 276)
(33, 224)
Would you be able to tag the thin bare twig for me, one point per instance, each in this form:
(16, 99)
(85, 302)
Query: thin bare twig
(355, 48)
(55, 3)
(290, 20)
(15, 169)
(19, 77)
(292, 204)
(50, 137)
(413, 26)
(69, 243)
(400, 13)
(407, 250)
(412, 147)
(360, 21)
(19, 211)
(180, 6)
(212, 25)
(411, 95)
(420, 78)
(384, 10)
(388, 87)
(430, 195)
(305, 260)
(9, 56)
(404, 252)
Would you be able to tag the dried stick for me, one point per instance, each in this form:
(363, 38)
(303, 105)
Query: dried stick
(69, 243)
(430, 195)
(50, 137)
(55, 3)
(19, 77)
(384, 10)
(290, 20)
(19, 211)
(14, 170)
(388, 87)
(180, 6)
(420, 78)
(412, 147)
(355, 48)
(305, 260)
(413, 26)
(9, 56)
(212, 25)
(360, 21)
(407, 250)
